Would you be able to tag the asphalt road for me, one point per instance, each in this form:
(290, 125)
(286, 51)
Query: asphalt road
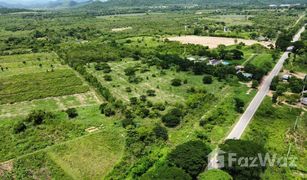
(247, 116)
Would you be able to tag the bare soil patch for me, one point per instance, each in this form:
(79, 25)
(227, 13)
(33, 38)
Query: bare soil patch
(121, 29)
(213, 42)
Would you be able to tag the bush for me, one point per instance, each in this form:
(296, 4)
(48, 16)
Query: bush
(190, 156)
(172, 118)
(151, 93)
(127, 122)
(255, 84)
(214, 174)
(167, 173)
(239, 104)
(72, 112)
(107, 78)
(207, 79)
(37, 117)
(176, 82)
(19, 127)
(160, 132)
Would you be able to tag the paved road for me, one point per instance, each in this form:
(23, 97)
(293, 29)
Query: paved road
(245, 119)
(247, 116)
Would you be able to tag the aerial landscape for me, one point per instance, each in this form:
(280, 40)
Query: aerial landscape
(153, 89)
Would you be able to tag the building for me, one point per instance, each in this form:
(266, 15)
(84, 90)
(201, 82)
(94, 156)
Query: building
(286, 77)
(248, 75)
(215, 62)
(304, 101)
(239, 68)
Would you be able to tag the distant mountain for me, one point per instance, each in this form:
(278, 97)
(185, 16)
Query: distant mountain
(48, 4)
(199, 2)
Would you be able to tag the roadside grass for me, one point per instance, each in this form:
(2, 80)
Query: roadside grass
(262, 59)
(294, 64)
(273, 127)
(215, 133)
(49, 133)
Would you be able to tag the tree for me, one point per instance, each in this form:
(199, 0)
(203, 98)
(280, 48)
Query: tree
(160, 132)
(190, 156)
(176, 82)
(167, 173)
(274, 83)
(207, 79)
(255, 84)
(171, 120)
(214, 174)
(72, 112)
(242, 149)
(37, 117)
(239, 104)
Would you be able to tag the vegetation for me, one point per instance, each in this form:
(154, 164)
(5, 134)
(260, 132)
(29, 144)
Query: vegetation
(99, 92)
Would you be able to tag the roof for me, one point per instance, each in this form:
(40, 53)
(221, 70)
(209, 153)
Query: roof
(304, 101)
(248, 75)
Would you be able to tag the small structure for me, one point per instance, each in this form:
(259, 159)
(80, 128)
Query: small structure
(239, 68)
(247, 75)
(214, 62)
(290, 49)
(304, 101)
(191, 58)
(286, 77)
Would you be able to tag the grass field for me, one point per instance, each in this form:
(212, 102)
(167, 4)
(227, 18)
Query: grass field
(52, 132)
(153, 79)
(89, 157)
(273, 127)
(40, 85)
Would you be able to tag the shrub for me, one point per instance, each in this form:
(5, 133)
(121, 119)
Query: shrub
(207, 79)
(255, 84)
(127, 122)
(214, 174)
(151, 93)
(239, 104)
(72, 112)
(19, 127)
(161, 132)
(38, 116)
(167, 173)
(172, 118)
(107, 78)
(176, 82)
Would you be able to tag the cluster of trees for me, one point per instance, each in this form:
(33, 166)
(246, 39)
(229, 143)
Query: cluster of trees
(35, 118)
(294, 84)
(244, 150)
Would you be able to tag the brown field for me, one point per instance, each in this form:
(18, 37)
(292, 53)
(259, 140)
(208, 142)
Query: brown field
(213, 42)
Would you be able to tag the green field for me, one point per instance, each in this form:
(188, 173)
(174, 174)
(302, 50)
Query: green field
(276, 128)
(40, 85)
